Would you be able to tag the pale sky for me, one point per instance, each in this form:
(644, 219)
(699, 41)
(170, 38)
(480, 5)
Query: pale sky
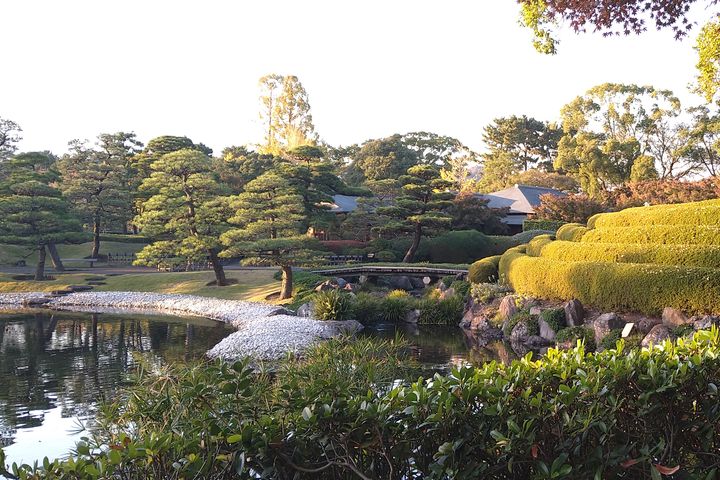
(73, 69)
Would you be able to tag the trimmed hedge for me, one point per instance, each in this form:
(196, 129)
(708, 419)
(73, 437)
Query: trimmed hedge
(626, 286)
(550, 225)
(124, 238)
(696, 213)
(654, 234)
(707, 256)
(484, 270)
(572, 232)
(460, 246)
(537, 244)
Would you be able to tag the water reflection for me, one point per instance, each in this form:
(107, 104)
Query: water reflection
(56, 366)
(441, 346)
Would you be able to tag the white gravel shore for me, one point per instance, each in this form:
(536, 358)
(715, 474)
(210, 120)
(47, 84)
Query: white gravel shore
(265, 332)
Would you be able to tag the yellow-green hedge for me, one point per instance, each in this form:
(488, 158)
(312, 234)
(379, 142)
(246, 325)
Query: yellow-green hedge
(707, 256)
(655, 234)
(484, 270)
(572, 232)
(614, 286)
(535, 246)
(695, 213)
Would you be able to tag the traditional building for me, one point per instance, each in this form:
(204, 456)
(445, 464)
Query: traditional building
(521, 200)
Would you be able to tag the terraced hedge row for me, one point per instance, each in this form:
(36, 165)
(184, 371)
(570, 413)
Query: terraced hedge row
(655, 234)
(696, 213)
(707, 256)
(572, 232)
(645, 288)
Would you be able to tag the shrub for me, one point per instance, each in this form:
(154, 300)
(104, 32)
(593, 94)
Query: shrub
(461, 287)
(550, 225)
(485, 270)
(500, 244)
(571, 232)
(573, 334)
(366, 308)
(448, 280)
(610, 340)
(486, 292)
(655, 234)
(523, 316)
(569, 208)
(398, 294)
(460, 246)
(535, 246)
(697, 213)
(339, 409)
(395, 310)
(688, 255)
(659, 192)
(385, 256)
(642, 288)
(441, 312)
(124, 238)
(332, 305)
(555, 317)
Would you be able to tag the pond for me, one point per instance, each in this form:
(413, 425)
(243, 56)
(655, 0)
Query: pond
(55, 367)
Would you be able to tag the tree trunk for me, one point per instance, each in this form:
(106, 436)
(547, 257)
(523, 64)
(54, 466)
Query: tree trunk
(40, 270)
(55, 256)
(286, 287)
(220, 279)
(96, 239)
(410, 255)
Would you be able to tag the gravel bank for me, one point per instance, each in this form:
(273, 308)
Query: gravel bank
(265, 332)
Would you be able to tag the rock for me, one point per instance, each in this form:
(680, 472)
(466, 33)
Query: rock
(657, 335)
(507, 307)
(362, 280)
(704, 322)
(341, 282)
(441, 286)
(605, 323)
(672, 317)
(352, 287)
(645, 324)
(282, 311)
(546, 331)
(449, 293)
(412, 316)
(536, 341)
(519, 332)
(400, 282)
(574, 313)
(305, 310)
(417, 283)
(35, 301)
(426, 281)
(535, 311)
(80, 288)
(325, 286)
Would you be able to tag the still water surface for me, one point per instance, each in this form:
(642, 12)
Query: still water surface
(55, 367)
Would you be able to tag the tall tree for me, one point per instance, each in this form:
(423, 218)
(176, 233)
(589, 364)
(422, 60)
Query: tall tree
(239, 165)
(702, 139)
(530, 142)
(32, 211)
(285, 113)
(498, 171)
(422, 209)
(186, 215)
(269, 218)
(10, 136)
(95, 180)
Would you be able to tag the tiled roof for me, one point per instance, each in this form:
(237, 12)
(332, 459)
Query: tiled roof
(519, 199)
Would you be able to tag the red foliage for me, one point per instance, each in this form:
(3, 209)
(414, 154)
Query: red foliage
(570, 208)
(656, 192)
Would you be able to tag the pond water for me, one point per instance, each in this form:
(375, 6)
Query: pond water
(55, 367)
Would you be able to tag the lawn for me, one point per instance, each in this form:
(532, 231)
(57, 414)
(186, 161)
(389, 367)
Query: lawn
(254, 285)
(11, 254)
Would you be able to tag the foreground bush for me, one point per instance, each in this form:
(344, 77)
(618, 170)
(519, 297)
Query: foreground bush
(642, 288)
(697, 213)
(640, 414)
(654, 234)
(685, 255)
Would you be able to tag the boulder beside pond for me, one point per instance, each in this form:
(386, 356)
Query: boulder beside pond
(657, 335)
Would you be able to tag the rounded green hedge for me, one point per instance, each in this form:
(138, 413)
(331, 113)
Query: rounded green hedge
(572, 232)
(695, 213)
(684, 255)
(535, 246)
(484, 270)
(655, 234)
(642, 288)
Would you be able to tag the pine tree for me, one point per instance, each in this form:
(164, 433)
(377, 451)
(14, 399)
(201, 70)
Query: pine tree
(422, 208)
(187, 213)
(269, 216)
(32, 211)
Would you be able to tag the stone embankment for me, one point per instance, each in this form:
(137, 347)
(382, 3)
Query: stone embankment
(264, 332)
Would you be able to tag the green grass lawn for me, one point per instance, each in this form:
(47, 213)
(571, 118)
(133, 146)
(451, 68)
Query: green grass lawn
(254, 285)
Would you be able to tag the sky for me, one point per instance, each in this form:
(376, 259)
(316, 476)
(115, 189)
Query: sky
(372, 68)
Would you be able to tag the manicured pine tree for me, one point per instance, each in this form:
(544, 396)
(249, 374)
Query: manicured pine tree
(270, 215)
(32, 211)
(422, 209)
(186, 214)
